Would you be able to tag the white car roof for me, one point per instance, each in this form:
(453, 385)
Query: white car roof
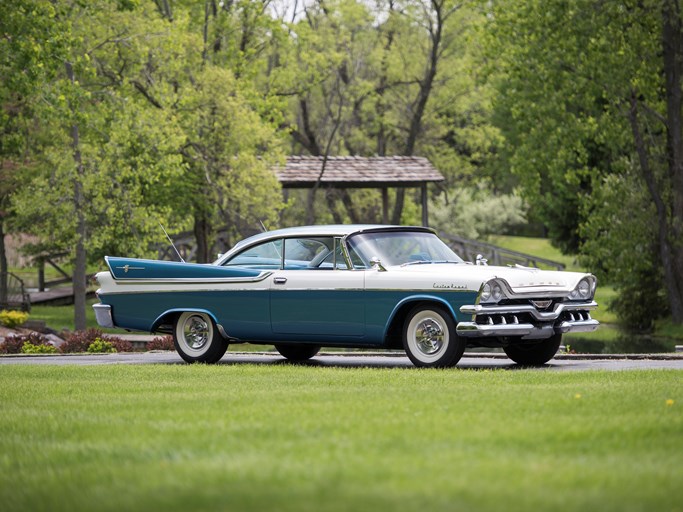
(317, 230)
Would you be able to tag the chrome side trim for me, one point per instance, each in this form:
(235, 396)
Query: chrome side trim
(103, 315)
(528, 308)
(194, 280)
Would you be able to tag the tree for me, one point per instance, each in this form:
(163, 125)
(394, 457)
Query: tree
(588, 90)
(85, 181)
(392, 78)
(28, 34)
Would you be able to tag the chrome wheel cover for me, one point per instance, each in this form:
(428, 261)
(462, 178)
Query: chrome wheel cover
(194, 332)
(428, 336)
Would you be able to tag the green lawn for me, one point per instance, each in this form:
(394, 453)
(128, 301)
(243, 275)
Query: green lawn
(283, 437)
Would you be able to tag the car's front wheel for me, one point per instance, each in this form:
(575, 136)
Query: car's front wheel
(534, 354)
(297, 352)
(429, 338)
(196, 338)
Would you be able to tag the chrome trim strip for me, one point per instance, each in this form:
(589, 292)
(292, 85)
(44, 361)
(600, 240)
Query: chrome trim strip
(528, 308)
(195, 280)
(103, 315)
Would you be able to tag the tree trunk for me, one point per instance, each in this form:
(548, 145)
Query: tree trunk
(3, 263)
(665, 248)
(80, 262)
(672, 51)
(426, 85)
(202, 234)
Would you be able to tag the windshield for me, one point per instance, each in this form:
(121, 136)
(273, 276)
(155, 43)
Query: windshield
(402, 248)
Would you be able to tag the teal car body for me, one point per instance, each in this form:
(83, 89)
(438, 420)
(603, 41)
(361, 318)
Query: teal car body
(342, 286)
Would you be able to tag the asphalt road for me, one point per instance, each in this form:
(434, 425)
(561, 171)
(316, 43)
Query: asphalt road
(372, 360)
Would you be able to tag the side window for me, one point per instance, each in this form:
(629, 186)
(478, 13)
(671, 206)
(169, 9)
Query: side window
(265, 256)
(356, 260)
(306, 253)
(335, 259)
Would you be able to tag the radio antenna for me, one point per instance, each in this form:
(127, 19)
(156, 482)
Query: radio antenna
(263, 226)
(171, 242)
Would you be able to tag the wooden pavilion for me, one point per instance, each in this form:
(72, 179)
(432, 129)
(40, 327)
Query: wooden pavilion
(382, 172)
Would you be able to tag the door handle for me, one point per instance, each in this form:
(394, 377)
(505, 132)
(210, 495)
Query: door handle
(280, 280)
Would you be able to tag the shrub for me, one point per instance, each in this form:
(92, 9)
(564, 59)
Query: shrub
(12, 319)
(30, 348)
(16, 344)
(99, 346)
(161, 343)
(476, 213)
(79, 341)
(120, 344)
(12, 345)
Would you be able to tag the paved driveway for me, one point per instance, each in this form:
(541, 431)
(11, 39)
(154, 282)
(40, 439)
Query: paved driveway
(374, 360)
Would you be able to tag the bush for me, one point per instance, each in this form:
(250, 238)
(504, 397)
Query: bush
(30, 348)
(12, 319)
(161, 343)
(12, 345)
(475, 213)
(79, 341)
(120, 344)
(16, 344)
(99, 346)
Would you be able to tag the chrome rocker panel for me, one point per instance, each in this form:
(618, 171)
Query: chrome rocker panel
(582, 322)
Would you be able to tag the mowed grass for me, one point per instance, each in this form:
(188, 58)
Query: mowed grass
(292, 438)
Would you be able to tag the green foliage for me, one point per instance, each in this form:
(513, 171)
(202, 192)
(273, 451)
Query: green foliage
(619, 248)
(477, 213)
(30, 348)
(12, 319)
(576, 81)
(99, 346)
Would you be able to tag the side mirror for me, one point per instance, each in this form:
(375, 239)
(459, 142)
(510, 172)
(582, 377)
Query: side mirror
(481, 260)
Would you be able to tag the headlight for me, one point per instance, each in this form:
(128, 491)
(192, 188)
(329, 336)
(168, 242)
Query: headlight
(491, 292)
(584, 290)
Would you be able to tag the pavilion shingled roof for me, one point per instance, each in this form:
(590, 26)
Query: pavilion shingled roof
(357, 172)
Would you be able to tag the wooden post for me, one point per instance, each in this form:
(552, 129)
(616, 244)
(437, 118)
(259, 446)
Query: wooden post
(41, 274)
(385, 205)
(425, 211)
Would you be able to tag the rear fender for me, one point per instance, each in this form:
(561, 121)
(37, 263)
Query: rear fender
(169, 317)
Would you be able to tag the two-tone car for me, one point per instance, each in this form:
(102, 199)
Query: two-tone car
(370, 286)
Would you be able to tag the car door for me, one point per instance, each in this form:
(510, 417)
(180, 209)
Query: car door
(315, 293)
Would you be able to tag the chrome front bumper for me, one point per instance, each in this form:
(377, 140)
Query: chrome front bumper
(498, 321)
(103, 315)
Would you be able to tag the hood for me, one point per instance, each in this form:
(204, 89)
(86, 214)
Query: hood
(521, 280)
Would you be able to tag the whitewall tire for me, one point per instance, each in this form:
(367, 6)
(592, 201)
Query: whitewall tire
(429, 337)
(196, 338)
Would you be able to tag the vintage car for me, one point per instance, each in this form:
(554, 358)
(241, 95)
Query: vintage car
(379, 287)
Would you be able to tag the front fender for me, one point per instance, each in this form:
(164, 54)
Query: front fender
(406, 303)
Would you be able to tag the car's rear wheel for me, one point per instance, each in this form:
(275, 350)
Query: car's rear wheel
(297, 352)
(429, 337)
(536, 353)
(197, 340)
